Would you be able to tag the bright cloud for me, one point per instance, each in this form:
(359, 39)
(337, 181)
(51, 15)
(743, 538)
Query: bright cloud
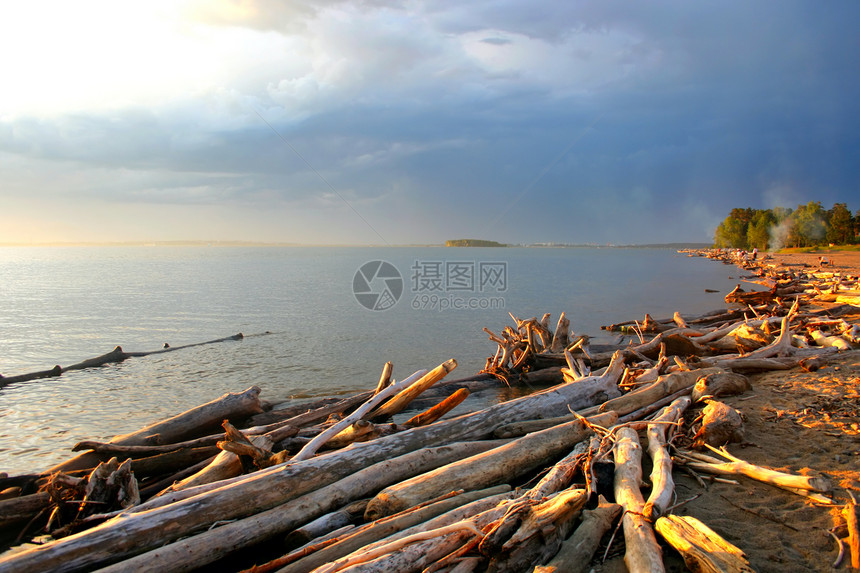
(428, 119)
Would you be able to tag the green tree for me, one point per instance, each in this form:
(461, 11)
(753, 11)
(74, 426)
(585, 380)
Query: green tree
(758, 230)
(840, 225)
(731, 233)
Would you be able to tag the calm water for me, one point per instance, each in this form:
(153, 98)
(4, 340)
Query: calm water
(62, 305)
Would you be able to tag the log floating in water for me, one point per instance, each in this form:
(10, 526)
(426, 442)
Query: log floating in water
(115, 355)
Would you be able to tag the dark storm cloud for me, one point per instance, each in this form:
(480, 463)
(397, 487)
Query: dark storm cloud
(597, 119)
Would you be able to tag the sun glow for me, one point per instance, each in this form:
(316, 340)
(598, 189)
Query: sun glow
(98, 54)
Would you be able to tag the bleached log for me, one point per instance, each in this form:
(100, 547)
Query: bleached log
(643, 413)
(384, 528)
(225, 465)
(410, 558)
(737, 466)
(179, 427)
(482, 512)
(701, 547)
(540, 534)
(561, 474)
(419, 555)
(744, 364)
(560, 338)
(545, 514)
(315, 444)
(517, 429)
(402, 399)
(384, 378)
(490, 468)
(193, 552)
(782, 345)
(662, 484)
(139, 532)
(653, 374)
(642, 554)
(679, 320)
(666, 385)
(822, 339)
(576, 553)
(328, 523)
(360, 430)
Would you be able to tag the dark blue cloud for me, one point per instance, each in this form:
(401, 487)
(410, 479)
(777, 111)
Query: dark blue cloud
(559, 121)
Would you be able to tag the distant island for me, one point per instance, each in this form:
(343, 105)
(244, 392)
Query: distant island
(472, 243)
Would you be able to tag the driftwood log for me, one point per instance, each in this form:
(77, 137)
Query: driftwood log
(140, 532)
(662, 484)
(192, 552)
(576, 553)
(494, 466)
(178, 428)
(643, 554)
(380, 529)
(700, 546)
(114, 356)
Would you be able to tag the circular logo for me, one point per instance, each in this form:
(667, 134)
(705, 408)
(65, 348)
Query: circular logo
(377, 285)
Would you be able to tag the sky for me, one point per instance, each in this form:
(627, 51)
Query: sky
(375, 122)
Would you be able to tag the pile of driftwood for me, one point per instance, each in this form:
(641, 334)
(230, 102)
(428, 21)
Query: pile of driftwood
(355, 484)
(822, 282)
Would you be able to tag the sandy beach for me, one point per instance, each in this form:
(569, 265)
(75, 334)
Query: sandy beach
(843, 261)
(795, 421)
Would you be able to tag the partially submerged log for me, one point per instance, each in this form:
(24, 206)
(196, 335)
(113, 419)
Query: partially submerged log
(178, 428)
(114, 356)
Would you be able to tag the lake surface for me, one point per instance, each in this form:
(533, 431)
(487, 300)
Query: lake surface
(63, 305)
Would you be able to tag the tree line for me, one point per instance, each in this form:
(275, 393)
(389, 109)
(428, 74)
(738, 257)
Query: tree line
(807, 226)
